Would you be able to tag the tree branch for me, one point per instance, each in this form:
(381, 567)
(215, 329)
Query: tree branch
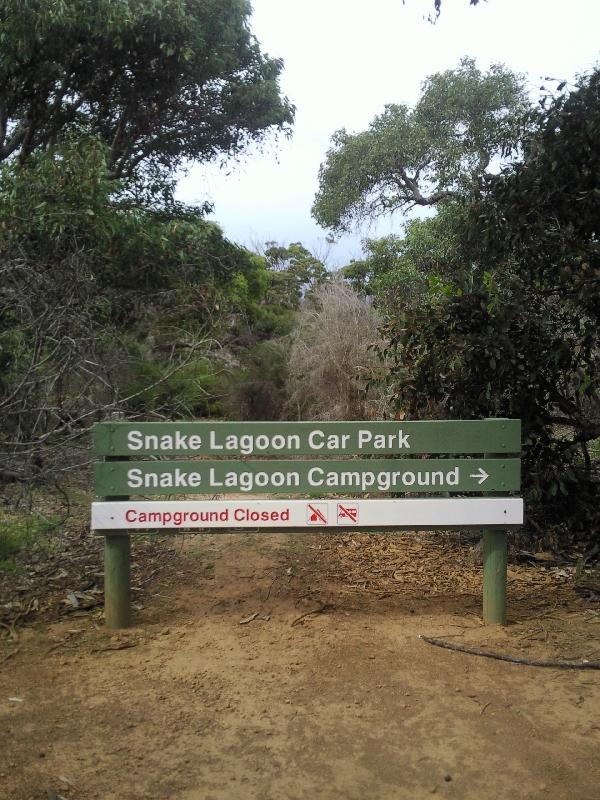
(417, 198)
(530, 662)
(15, 141)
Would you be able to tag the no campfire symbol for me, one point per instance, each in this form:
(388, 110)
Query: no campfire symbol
(316, 513)
(348, 512)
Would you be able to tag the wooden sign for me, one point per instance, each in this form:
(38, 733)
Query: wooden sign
(222, 458)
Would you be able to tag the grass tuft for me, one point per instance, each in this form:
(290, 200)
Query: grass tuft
(19, 532)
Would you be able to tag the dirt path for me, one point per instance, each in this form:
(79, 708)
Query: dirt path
(345, 702)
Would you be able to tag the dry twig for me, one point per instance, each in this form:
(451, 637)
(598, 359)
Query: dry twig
(116, 646)
(530, 662)
(320, 610)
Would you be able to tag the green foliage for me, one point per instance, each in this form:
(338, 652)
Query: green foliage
(294, 273)
(60, 204)
(543, 213)
(158, 81)
(426, 155)
(268, 321)
(283, 277)
(509, 323)
(113, 297)
(19, 532)
(189, 391)
(397, 270)
(257, 389)
(98, 296)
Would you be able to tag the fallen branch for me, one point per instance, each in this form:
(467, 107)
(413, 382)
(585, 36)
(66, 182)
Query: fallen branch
(117, 646)
(320, 610)
(530, 662)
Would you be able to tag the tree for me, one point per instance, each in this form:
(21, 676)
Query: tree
(542, 216)
(294, 273)
(158, 81)
(510, 326)
(543, 212)
(427, 155)
(397, 268)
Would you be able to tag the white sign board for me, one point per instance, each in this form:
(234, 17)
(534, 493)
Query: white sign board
(280, 514)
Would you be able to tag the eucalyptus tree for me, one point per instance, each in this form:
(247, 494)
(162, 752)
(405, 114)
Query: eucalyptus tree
(158, 81)
(408, 157)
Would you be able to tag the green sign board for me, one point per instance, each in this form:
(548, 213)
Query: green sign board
(227, 439)
(302, 476)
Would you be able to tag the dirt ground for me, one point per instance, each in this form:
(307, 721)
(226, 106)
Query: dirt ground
(283, 667)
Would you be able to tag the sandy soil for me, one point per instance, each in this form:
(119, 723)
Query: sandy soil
(289, 667)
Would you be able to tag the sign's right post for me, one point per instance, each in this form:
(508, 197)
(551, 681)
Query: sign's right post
(495, 558)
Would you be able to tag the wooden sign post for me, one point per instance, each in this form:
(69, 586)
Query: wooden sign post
(245, 459)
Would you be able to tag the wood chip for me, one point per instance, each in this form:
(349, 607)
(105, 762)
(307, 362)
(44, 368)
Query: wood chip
(246, 620)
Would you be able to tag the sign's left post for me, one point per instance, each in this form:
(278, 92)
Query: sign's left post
(117, 571)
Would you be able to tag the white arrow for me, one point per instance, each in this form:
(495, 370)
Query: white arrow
(481, 475)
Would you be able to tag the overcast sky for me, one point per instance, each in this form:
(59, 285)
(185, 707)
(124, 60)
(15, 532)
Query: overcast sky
(344, 60)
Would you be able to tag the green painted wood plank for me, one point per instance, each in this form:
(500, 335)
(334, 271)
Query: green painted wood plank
(352, 476)
(306, 438)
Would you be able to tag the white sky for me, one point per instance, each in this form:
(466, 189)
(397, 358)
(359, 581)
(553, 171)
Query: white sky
(344, 60)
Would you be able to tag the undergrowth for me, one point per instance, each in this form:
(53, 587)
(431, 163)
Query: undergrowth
(20, 532)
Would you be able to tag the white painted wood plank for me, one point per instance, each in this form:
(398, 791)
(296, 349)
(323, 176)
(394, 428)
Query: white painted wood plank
(411, 513)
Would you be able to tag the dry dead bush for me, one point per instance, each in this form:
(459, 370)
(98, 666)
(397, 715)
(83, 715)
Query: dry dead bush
(63, 365)
(332, 357)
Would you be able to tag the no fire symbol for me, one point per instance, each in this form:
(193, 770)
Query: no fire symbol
(316, 513)
(348, 513)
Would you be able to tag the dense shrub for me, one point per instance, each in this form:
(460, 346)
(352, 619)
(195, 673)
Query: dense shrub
(256, 388)
(99, 296)
(511, 328)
